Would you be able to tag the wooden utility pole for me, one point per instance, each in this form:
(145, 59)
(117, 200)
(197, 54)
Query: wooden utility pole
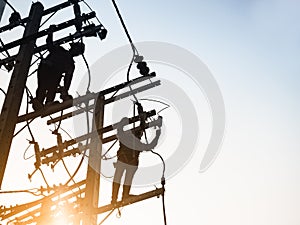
(11, 106)
(94, 166)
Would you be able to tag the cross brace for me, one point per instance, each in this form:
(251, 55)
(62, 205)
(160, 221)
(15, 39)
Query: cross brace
(90, 96)
(46, 12)
(45, 32)
(130, 200)
(87, 32)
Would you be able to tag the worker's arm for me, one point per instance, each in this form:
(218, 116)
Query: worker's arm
(150, 146)
(49, 39)
(130, 141)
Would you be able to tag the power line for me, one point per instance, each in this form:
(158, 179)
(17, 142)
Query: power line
(89, 73)
(10, 5)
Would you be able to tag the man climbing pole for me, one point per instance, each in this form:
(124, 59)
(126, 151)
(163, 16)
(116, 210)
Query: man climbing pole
(128, 157)
(59, 62)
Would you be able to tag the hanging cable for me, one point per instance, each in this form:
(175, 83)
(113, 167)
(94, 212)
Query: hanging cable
(153, 100)
(10, 5)
(107, 177)
(56, 128)
(30, 191)
(64, 164)
(2, 45)
(68, 172)
(124, 27)
(104, 155)
(2, 91)
(44, 178)
(48, 18)
(19, 131)
(164, 206)
(59, 123)
(134, 49)
(89, 73)
(26, 158)
(163, 161)
(66, 133)
(85, 150)
(163, 182)
(27, 106)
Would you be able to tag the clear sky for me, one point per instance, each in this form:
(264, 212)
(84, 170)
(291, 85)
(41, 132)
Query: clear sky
(252, 50)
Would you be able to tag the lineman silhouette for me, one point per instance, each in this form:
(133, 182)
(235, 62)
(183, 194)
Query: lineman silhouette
(59, 62)
(128, 157)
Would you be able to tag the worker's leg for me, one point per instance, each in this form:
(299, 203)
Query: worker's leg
(117, 180)
(52, 87)
(40, 94)
(42, 85)
(130, 171)
(38, 101)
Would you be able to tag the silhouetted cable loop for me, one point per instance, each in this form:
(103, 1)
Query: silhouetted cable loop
(89, 73)
(10, 5)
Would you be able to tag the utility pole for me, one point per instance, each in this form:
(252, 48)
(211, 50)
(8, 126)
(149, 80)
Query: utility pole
(2, 6)
(11, 106)
(94, 166)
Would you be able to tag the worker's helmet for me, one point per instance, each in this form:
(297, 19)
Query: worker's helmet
(77, 48)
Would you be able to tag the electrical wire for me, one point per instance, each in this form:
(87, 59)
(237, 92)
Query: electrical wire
(107, 177)
(153, 100)
(163, 161)
(66, 133)
(2, 91)
(19, 131)
(38, 58)
(27, 106)
(33, 72)
(26, 158)
(104, 155)
(134, 49)
(59, 123)
(68, 172)
(77, 169)
(124, 26)
(89, 73)
(10, 5)
(64, 164)
(164, 207)
(85, 150)
(6, 51)
(48, 18)
(163, 182)
(44, 178)
(29, 191)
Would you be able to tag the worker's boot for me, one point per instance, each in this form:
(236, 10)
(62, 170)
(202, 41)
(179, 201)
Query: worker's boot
(64, 95)
(115, 191)
(126, 190)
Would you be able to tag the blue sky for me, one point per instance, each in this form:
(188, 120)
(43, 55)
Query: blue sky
(252, 50)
